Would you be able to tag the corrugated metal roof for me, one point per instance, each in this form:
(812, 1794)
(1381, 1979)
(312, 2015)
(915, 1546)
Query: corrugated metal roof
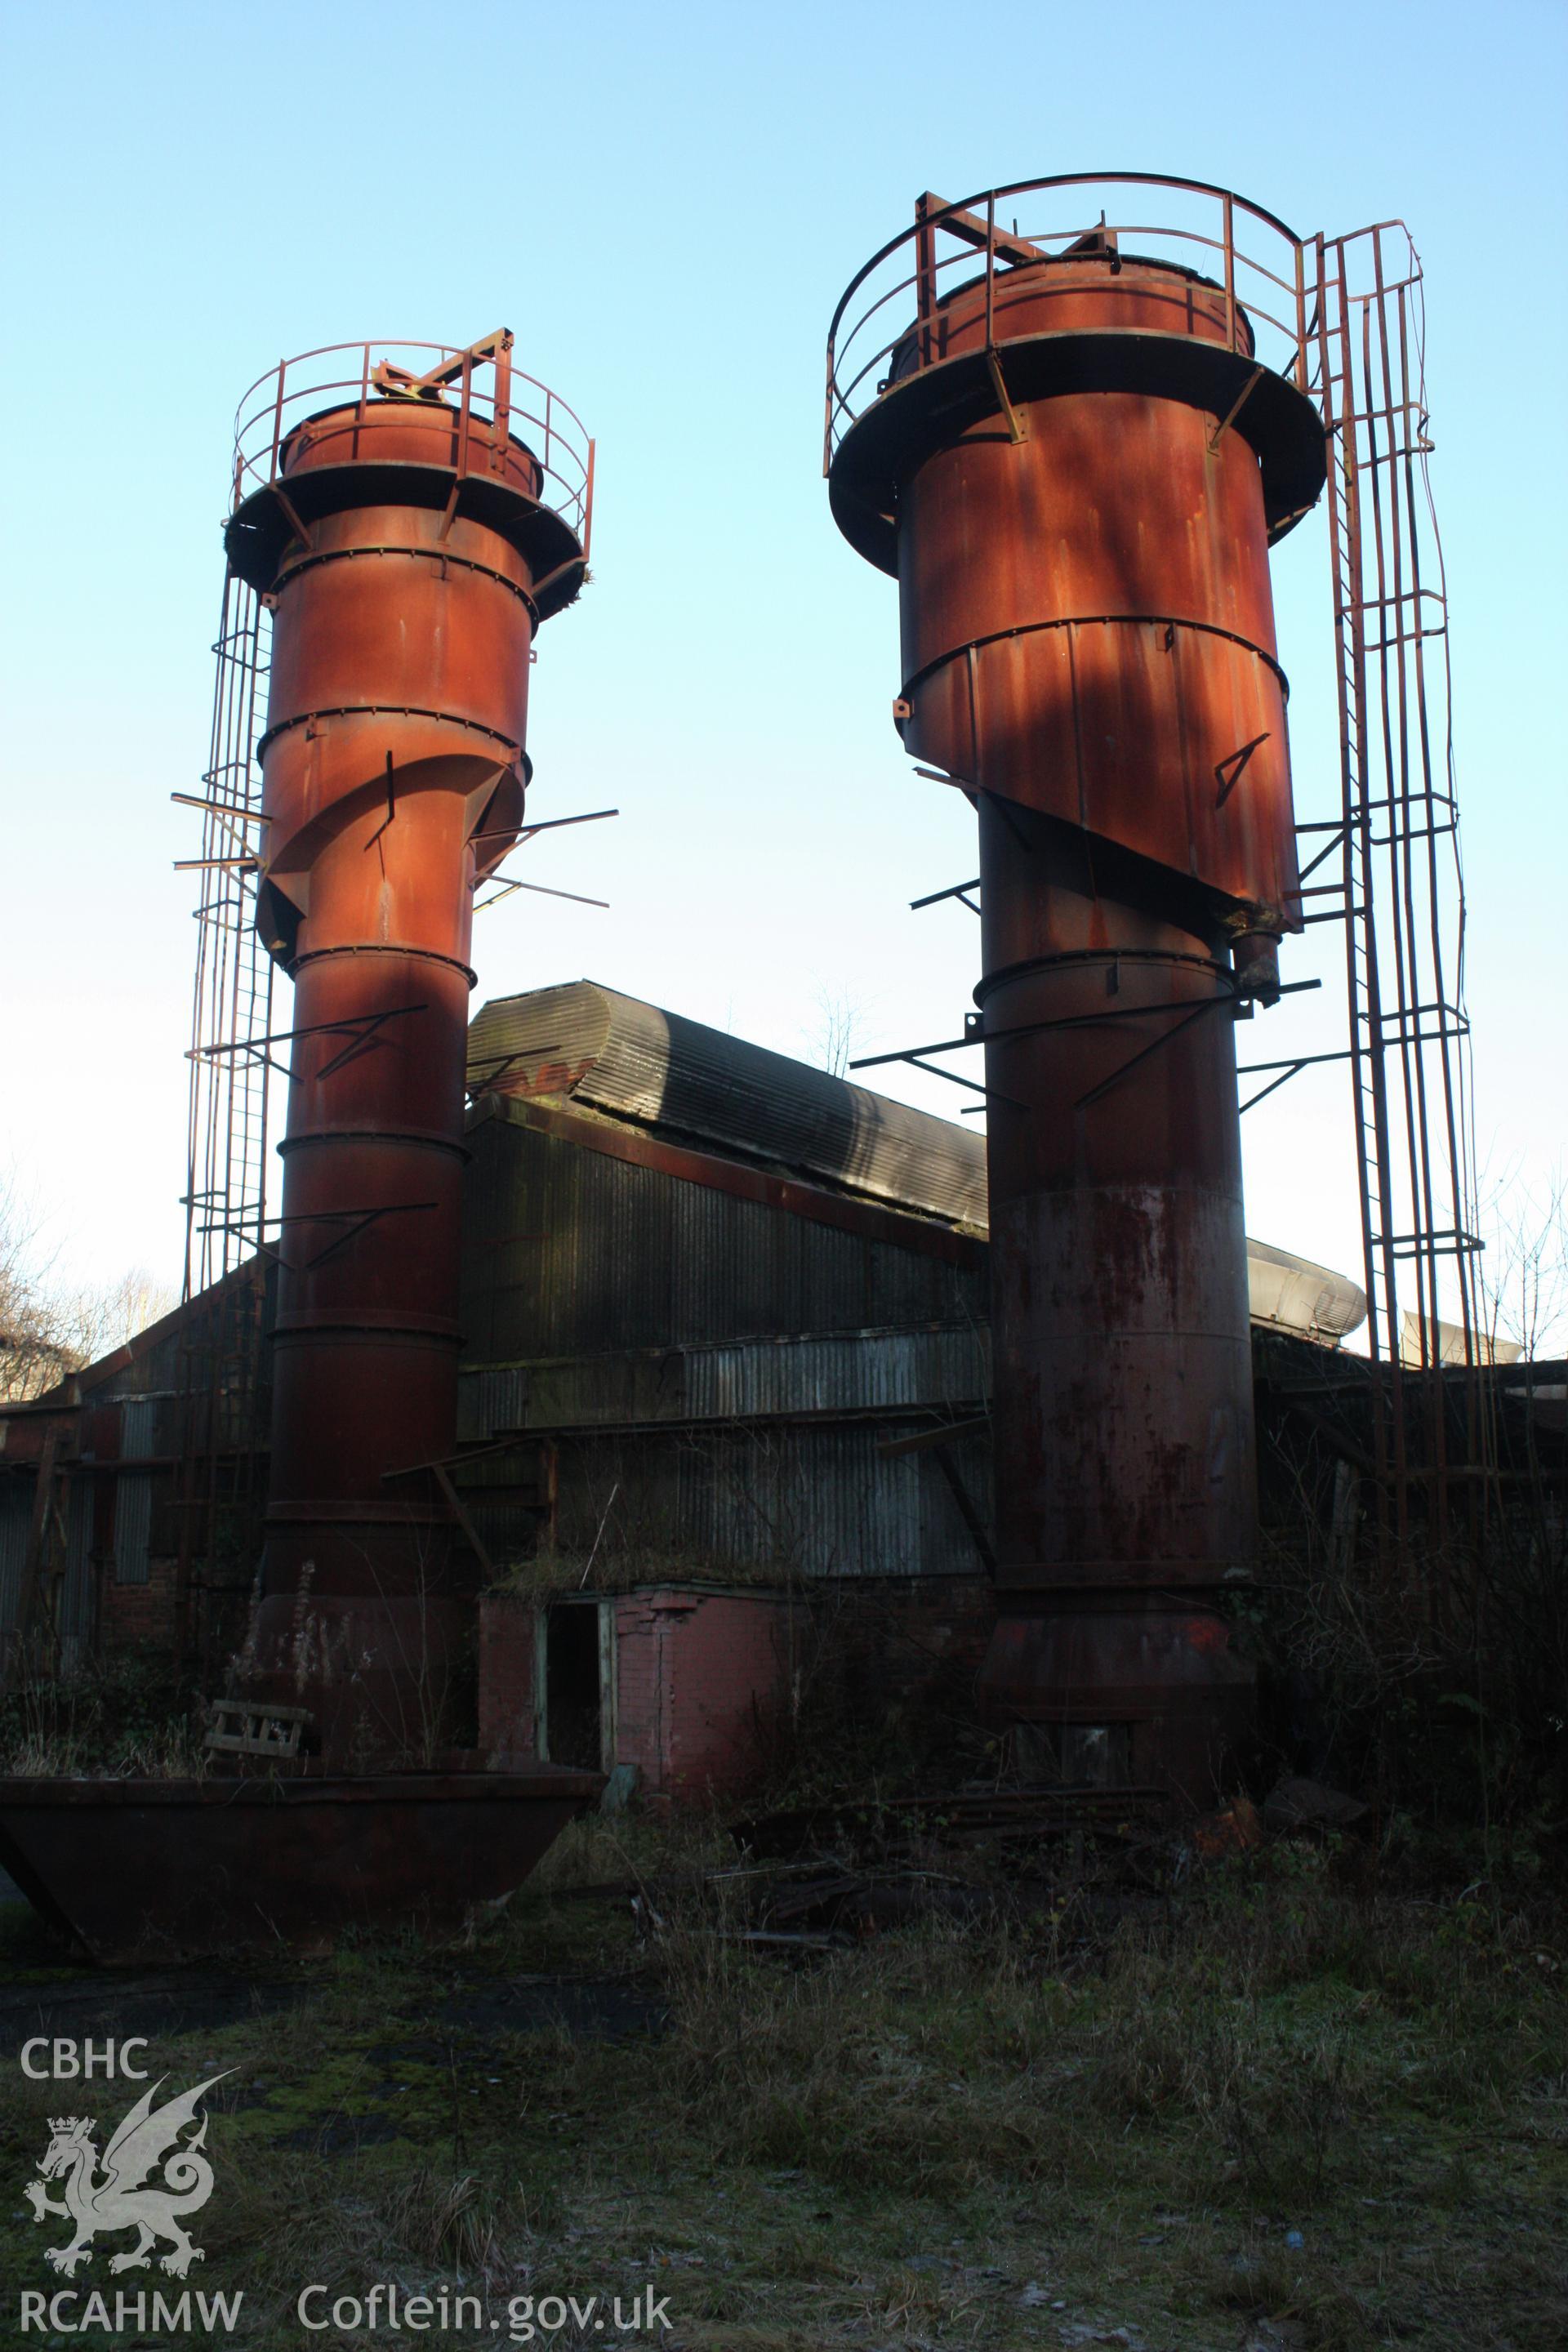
(1291, 1294)
(656, 1070)
(591, 1045)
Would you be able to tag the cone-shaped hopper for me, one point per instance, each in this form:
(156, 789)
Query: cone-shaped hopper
(167, 1870)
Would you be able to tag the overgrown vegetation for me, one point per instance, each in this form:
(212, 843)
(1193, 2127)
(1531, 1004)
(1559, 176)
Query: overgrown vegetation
(120, 1715)
(558, 1571)
(1432, 1675)
(1437, 1688)
(1309, 2098)
(1268, 2102)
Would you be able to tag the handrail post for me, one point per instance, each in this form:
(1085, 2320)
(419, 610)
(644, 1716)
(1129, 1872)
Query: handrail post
(1230, 234)
(925, 278)
(827, 416)
(465, 399)
(501, 419)
(990, 268)
(277, 421)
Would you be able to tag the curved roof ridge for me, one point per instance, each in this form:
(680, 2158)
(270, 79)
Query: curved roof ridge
(586, 1043)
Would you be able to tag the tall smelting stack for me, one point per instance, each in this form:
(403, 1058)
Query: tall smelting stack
(1074, 460)
(404, 537)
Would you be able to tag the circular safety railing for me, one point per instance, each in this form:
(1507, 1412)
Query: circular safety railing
(1258, 268)
(480, 384)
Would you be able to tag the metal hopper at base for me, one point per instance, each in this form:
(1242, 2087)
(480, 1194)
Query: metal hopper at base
(169, 1870)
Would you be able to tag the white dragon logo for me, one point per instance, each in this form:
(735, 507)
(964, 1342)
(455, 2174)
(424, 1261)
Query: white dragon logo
(124, 2197)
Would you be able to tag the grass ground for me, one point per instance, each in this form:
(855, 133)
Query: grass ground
(1263, 2107)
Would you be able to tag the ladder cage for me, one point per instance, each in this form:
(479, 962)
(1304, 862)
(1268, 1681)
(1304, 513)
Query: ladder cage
(226, 1152)
(1402, 876)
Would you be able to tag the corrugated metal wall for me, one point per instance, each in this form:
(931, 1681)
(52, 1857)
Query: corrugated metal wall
(16, 1517)
(76, 1597)
(570, 1252)
(781, 1500)
(139, 1425)
(839, 1374)
(132, 1525)
(146, 1427)
(76, 1593)
(723, 1369)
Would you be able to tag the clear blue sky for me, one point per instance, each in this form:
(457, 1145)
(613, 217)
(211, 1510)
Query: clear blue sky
(664, 204)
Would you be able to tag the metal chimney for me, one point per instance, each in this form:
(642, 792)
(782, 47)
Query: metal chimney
(1074, 460)
(409, 543)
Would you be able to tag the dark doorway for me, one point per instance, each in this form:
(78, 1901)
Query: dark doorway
(574, 1729)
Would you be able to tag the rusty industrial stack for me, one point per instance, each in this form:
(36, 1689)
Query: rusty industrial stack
(1073, 446)
(1073, 460)
(399, 531)
(394, 545)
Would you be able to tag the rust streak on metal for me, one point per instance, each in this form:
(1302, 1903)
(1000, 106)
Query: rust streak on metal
(1081, 548)
(396, 724)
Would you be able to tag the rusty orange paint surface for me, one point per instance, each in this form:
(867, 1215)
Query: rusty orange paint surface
(1088, 644)
(394, 775)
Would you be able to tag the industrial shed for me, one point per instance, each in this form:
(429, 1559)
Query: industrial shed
(721, 1285)
(712, 1283)
(130, 1494)
(727, 1341)
(726, 1328)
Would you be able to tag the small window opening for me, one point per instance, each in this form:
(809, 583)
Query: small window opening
(1073, 1755)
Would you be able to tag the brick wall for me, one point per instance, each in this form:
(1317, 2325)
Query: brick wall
(706, 1680)
(143, 1617)
(700, 1678)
